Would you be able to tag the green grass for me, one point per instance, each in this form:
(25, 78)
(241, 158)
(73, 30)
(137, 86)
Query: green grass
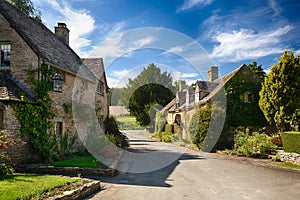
(83, 161)
(127, 123)
(31, 186)
(289, 165)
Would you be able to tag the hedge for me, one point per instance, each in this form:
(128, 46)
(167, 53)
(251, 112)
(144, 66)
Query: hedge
(291, 142)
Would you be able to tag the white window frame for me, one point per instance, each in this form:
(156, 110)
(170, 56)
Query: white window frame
(2, 45)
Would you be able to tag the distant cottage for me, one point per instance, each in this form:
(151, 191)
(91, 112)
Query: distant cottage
(241, 88)
(26, 45)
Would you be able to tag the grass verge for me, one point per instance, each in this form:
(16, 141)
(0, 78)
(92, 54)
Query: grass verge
(24, 186)
(82, 161)
(288, 165)
(127, 123)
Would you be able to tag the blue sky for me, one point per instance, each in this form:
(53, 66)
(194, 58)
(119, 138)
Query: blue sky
(183, 37)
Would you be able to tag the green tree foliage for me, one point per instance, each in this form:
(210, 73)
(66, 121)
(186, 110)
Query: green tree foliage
(257, 69)
(144, 101)
(115, 96)
(27, 7)
(279, 96)
(149, 88)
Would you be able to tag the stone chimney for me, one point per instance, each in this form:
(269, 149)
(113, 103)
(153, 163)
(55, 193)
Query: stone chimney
(182, 85)
(62, 32)
(213, 73)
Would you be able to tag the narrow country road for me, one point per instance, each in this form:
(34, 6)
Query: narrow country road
(196, 176)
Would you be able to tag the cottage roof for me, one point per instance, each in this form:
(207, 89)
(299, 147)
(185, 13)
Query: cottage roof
(43, 42)
(220, 83)
(12, 90)
(212, 87)
(171, 106)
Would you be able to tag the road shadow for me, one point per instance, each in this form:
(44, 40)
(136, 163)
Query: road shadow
(158, 178)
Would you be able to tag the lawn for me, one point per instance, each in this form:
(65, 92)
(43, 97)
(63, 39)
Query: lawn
(127, 123)
(23, 186)
(87, 161)
(289, 165)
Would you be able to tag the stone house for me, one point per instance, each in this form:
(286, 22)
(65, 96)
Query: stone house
(182, 108)
(26, 45)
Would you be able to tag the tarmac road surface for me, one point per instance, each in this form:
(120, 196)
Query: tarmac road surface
(196, 176)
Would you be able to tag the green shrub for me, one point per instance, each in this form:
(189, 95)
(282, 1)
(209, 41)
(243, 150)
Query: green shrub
(253, 144)
(199, 125)
(169, 128)
(160, 122)
(291, 141)
(67, 144)
(166, 137)
(113, 133)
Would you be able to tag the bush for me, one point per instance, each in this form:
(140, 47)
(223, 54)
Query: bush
(253, 144)
(169, 128)
(6, 140)
(114, 135)
(160, 122)
(291, 141)
(166, 137)
(199, 125)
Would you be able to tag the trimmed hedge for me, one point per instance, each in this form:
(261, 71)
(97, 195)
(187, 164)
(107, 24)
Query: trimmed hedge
(291, 142)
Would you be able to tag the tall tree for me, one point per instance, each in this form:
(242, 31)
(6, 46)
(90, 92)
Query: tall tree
(149, 88)
(279, 96)
(28, 8)
(257, 69)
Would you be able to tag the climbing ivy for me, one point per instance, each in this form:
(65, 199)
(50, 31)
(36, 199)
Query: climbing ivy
(239, 112)
(35, 118)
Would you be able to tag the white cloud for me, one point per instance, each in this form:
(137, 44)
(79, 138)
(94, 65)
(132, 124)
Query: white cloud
(189, 4)
(177, 75)
(275, 7)
(79, 22)
(246, 44)
(297, 52)
(175, 50)
(121, 73)
(120, 45)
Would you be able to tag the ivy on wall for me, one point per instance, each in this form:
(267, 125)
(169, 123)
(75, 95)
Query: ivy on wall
(239, 112)
(35, 118)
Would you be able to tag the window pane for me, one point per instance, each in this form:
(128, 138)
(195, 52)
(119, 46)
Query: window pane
(100, 87)
(5, 55)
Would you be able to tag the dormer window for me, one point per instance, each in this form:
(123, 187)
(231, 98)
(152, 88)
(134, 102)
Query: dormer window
(5, 55)
(57, 82)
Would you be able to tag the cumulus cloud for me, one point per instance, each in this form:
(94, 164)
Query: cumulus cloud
(189, 4)
(120, 45)
(79, 22)
(244, 44)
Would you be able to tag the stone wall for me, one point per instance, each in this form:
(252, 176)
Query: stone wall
(293, 158)
(19, 152)
(22, 56)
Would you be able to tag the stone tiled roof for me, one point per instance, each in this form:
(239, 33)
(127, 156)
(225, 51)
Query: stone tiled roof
(96, 66)
(212, 87)
(12, 90)
(221, 83)
(44, 42)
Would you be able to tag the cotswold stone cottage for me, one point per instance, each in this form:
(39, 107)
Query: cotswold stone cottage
(27, 44)
(241, 88)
